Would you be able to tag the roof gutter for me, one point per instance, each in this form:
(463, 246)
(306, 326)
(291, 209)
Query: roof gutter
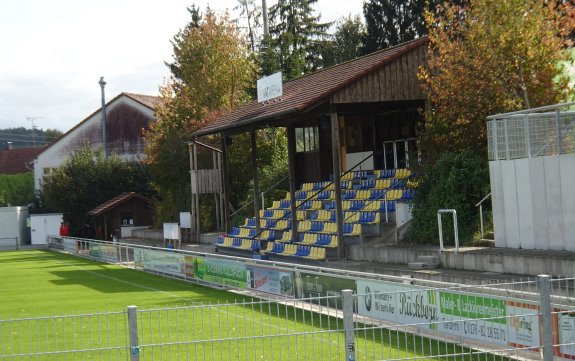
(242, 123)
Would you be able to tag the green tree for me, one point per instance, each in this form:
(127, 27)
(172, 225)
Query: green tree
(211, 72)
(88, 179)
(392, 22)
(252, 13)
(455, 181)
(489, 57)
(486, 57)
(348, 38)
(16, 189)
(295, 39)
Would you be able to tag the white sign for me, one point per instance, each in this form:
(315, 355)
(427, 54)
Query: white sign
(270, 87)
(159, 261)
(186, 219)
(171, 231)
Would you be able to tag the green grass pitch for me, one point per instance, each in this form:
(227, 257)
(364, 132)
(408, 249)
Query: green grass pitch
(41, 283)
(44, 283)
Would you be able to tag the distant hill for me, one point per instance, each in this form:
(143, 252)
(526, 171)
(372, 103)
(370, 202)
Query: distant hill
(24, 138)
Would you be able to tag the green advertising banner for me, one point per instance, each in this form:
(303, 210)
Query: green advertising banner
(223, 272)
(475, 307)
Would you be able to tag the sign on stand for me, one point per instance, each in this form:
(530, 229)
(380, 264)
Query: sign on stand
(172, 233)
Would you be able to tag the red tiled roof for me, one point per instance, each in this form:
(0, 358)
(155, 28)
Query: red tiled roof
(302, 93)
(18, 160)
(116, 201)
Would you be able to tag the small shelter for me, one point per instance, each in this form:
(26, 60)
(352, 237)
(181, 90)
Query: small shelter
(361, 114)
(119, 216)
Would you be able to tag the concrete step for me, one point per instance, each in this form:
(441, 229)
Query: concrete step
(416, 265)
(429, 261)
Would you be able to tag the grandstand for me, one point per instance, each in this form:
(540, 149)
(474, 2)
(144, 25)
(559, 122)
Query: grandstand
(352, 140)
(369, 202)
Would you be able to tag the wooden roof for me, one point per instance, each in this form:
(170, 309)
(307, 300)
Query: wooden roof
(13, 161)
(116, 201)
(307, 92)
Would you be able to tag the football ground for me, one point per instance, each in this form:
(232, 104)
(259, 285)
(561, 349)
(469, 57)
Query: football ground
(60, 307)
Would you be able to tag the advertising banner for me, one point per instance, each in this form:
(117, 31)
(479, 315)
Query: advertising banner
(523, 325)
(159, 261)
(70, 245)
(565, 324)
(475, 317)
(318, 285)
(223, 272)
(189, 266)
(396, 302)
(104, 252)
(271, 281)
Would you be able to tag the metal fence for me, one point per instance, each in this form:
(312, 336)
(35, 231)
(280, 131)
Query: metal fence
(495, 322)
(532, 133)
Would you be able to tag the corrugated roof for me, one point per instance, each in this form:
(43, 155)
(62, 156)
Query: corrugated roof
(116, 201)
(303, 93)
(13, 161)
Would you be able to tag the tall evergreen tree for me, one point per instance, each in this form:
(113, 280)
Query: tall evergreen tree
(348, 38)
(392, 22)
(295, 36)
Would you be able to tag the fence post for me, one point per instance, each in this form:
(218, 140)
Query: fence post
(133, 330)
(544, 285)
(348, 324)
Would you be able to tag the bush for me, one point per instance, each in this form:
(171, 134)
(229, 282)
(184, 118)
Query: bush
(16, 189)
(455, 181)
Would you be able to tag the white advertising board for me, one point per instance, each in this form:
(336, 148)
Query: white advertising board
(185, 220)
(270, 87)
(489, 319)
(160, 261)
(171, 231)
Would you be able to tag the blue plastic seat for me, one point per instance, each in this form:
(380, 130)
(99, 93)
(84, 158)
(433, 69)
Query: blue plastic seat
(349, 195)
(316, 226)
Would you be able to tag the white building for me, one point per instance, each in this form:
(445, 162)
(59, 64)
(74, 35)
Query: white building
(128, 115)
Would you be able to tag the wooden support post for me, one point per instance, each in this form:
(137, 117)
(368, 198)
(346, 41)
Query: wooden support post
(225, 184)
(337, 183)
(193, 179)
(216, 195)
(197, 197)
(256, 180)
(292, 181)
(220, 192)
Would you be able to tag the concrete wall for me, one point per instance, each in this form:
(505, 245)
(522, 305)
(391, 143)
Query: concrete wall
(480, 260)
(534, 202)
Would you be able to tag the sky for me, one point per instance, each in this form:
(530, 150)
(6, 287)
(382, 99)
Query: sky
(52, 53)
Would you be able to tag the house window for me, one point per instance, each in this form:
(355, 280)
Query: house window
(307, 139)
(48, 171)
(126, 218)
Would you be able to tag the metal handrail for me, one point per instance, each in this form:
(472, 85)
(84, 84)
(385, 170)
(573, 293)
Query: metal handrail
(480, 205)
(531, 110)
(455, 228)
(267, 190)
(275, 221)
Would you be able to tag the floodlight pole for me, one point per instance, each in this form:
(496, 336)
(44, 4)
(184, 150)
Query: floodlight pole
(265, 18)
(104, 140)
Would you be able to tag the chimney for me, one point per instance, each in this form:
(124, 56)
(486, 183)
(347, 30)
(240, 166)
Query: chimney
(8, 145)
